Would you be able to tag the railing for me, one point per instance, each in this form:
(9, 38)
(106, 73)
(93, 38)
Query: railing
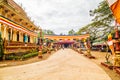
(16, 47)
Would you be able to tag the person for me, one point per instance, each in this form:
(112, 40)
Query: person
(63, 47)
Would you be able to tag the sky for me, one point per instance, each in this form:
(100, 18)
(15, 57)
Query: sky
(60, 16)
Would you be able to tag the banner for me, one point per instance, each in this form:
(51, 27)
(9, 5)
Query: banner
(115, 7)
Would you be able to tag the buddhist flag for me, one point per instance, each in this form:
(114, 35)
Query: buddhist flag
(115, 7)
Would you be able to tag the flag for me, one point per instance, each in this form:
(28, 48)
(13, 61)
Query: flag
(109, 37)
(115, 7)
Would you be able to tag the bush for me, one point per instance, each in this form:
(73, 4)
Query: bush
(12, 57)
(1, 48)
(26, 56)
(44, 50)
(51, 49)
(21, 57)
(33, 51)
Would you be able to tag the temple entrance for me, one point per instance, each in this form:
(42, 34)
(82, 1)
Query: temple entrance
(66, 45)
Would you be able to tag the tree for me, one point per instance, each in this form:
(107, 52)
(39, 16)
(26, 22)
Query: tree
(61, 34)
(101, 24)
(48, 32)
(71, 32)
(102, 14)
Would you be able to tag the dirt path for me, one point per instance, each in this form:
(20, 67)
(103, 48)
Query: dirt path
(100, 57)
(63, 65)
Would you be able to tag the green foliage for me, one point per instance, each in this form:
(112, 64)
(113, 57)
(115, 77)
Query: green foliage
(1, 48)
(71, 32)
(33, 50)
(51, 49)
(83, 30)
(44, 50)
(12, 57)
(102, 13)
(101, 24)
(48, 32)
(26, 56)
(22, 57)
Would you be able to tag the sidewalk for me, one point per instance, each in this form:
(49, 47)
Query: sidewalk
(63, 65)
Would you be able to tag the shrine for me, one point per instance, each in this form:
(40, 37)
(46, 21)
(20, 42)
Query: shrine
(17, 30)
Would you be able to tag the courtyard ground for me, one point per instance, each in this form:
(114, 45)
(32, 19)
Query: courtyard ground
(100, 57)
(63, 65)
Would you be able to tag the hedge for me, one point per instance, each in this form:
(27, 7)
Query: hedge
(25, 56)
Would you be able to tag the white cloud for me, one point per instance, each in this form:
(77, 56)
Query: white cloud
(59, 15)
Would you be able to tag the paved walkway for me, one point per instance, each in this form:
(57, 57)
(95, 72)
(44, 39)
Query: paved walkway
(63, 65)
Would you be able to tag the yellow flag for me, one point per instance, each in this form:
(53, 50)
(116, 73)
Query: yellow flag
(109, 37)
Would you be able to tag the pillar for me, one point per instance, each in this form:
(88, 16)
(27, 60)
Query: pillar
(0, 28)
(1, 9)
(11, 32)
(21, 36)
(31, 39)
(14, 38)
(5, 27)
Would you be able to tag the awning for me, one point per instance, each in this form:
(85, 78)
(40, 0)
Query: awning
(65, 42)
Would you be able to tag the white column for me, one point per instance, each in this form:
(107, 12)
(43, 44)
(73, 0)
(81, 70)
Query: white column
(21, 36)
(11, 34)
(5, 27)
(14, 35)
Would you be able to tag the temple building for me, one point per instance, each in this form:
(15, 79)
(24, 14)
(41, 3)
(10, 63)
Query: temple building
(66, 37)
(16, 28)
(67, 40)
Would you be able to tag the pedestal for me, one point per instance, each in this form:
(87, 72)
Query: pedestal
(80, 51)
(88, 52)
(116, 60)
(40, 54)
